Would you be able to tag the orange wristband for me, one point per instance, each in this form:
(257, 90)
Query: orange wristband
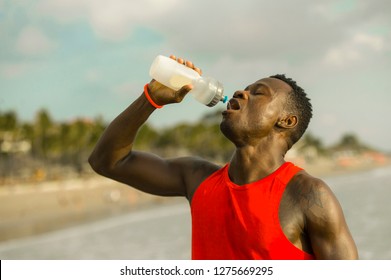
(149, 98)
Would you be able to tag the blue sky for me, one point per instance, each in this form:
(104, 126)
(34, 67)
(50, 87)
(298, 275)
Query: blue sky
(89, 58)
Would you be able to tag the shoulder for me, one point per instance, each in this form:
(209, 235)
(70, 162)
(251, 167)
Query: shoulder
(194, 170)
(311, 191)
(316, 200)
(324, 220)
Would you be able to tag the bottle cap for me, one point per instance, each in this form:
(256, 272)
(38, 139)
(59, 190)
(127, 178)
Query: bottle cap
(219, 96)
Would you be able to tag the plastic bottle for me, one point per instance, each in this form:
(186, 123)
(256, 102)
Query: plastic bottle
(174, 75)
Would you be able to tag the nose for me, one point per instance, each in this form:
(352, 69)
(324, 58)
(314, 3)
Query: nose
(240, 94)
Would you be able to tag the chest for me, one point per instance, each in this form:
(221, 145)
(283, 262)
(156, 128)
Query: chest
(260, 209)
(260, 216)
(254, 208)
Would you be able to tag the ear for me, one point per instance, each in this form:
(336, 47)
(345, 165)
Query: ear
(287, 122)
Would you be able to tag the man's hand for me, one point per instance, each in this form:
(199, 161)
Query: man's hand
(163, 95)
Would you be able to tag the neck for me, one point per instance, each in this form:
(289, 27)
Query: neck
(252, 163)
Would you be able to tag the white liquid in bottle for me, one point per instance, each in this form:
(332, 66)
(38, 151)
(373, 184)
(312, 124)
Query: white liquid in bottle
(174, 75)
(178, 81)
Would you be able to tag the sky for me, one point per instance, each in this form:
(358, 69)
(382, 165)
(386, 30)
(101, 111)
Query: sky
(90, 58)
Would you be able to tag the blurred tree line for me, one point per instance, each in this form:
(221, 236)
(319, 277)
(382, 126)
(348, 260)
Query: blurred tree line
(47, 148)
(33, 147)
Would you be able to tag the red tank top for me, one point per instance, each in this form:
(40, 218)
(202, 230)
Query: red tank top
(241, 222)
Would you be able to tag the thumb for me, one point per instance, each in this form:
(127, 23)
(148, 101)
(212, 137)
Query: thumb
(181, 93)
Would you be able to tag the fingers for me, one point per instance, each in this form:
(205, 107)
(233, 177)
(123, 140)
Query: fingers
(198, 70)
(187, 63)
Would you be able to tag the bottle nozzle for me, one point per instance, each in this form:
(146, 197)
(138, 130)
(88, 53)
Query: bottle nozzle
(224, 99)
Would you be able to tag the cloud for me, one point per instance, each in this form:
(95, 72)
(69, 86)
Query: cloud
(357, 48)
(247, 28)
(63, 11)
(250, 29)
(32, 41)
(116, 19)
(373, 42)
(260, 30)
(112, 20)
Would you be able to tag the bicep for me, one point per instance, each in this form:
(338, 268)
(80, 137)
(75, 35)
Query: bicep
(329, 234)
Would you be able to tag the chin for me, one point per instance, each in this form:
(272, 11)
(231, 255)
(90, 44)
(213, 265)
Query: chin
(226, 127)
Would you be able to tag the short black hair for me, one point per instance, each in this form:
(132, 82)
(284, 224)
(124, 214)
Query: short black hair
(298, 104)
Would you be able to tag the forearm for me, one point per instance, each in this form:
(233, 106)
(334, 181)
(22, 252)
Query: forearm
(117, 140)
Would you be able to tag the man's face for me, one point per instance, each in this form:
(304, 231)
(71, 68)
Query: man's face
(252, 113)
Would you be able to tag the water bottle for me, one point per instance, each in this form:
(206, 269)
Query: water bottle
(174, 75)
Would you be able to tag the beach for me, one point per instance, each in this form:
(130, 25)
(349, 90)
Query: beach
(97, 218)
(34, 208)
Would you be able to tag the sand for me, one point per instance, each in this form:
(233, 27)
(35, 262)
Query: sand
(28, 209)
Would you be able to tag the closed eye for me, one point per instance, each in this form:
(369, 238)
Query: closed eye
(261, 90)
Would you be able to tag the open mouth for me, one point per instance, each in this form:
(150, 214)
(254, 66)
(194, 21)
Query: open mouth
(233, 104)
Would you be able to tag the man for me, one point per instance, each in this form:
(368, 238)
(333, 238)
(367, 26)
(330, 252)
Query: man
(257, 206)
